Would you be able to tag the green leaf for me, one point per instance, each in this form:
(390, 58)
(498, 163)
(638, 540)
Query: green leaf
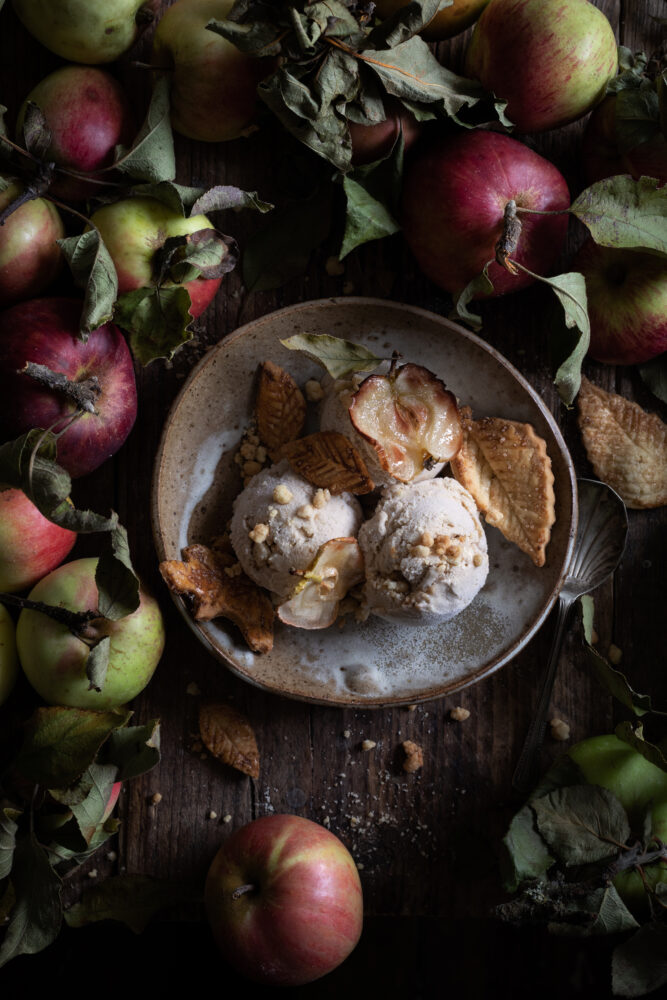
(405, 22)
(479, 287)
(117, 583)
(622, 212)
(205, 253)
(133, 750)
(89, 813)
(365, 219)
(600, 911)
(36, 134)
(157, 320)
(582, 824)
(338, 357)
(570, 290)
(639, 965)
(176, 197)
(256, 38)
(37, 913)
(654, 373)
(8, 828)
(151, 156)
(61, 743)
(97, 664)
(224, 196)
(636, 117)
(93, 270)
(525, 855)
(632, 733)
(131, 899)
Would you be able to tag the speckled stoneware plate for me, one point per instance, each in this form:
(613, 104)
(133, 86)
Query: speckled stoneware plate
(374, 663)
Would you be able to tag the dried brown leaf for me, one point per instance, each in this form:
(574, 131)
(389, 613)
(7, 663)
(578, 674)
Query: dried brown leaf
(327, 459)
(505, 466)
(626, 446)
(280, 408)
(229, 736)
(201, 577)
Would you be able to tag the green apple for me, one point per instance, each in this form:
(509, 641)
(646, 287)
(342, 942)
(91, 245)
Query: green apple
(8, 659)
(54, 660)
(30, 257)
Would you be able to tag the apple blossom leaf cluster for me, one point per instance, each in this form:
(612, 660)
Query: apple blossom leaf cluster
(337, 356)
(58, 792)
(130, 899)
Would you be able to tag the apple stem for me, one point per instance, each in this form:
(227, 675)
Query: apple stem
(538, 211)
(509, 241)
(38, 187)
(83, 394)
(75, 621)
(242, 890)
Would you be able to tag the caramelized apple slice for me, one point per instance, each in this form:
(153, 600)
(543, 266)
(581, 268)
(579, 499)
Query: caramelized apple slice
(337, 566)
(409, 417)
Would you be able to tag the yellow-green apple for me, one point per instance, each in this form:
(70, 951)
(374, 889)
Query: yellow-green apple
(603, 156)
(447, 22)
(374, 142)
(30, 257)
(213, 84)
(30, 545)
(46, 332)
(86, 31)
(88, 114)
(454, 197)
(54, 660)
(9, 663)
(283, 899)
(550, 59)
(627, 303)
(134, 230)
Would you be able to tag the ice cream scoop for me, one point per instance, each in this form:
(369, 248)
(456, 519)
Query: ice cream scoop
(279, 523)
(425, 553)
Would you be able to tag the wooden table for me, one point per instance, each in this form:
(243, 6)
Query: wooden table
(426, 843)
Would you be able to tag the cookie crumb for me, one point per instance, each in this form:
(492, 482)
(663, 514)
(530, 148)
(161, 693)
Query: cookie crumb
(414, 756)
(212, 814)
(559, 730)
(156, 798)
(313, 390)
(282, 494)
(227, 818)
(459, 714)
(368, 744)
(346, 734)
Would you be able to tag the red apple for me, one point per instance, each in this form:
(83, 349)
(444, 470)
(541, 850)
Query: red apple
(283, 898)
(30, 258)
(45, 331)
(447, 22)
(134, 229)
(213, 84)
(454, 197)
(54, 660)
(550, 59)
(30, 545)
(374, 142)
(88, 115)
(603, 157)
(627, 303)
(86, 31)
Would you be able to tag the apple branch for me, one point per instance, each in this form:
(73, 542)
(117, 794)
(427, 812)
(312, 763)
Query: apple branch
(79, 623)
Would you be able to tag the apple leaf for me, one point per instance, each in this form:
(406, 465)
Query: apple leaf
(570, 290)
(525, 855)
(117, 583)
(206, 253)
(639, 965)
(338, 357)
(654, 373)
(37, 912)
(258, 38)
(636, 117)
(151, 155)
(133, 750)
(176, 197)
(366, 218)
(97, 664)
(36, 133)
(93, 270)
(224, 196)
(622, 212)
(3, 112)
(131, 899)
(632, 733)
(406, 21)
(8, 829)
(479, 287)
(88, 813)
(157, 320)
(60, 743)
(575, 908)
(582, 823)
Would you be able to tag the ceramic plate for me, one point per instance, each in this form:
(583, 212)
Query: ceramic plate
(374, 663)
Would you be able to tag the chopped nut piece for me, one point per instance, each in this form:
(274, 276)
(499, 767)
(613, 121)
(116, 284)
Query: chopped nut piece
(420, 551)
(368, 744)
(427, 539)
(229, 736)
(156, 798)
(251, 469)
(259, 533)
(328, 459)
(477, 559)
(227, 818)
(346, 734)
(314, 391)
(321, 498)
(212, 815)
(559, 730)
(234, 570)
(306, 512)
(260, 454)
(414, 756)
(282, 494)
(92, 873)
(459, 714)
(615, 654)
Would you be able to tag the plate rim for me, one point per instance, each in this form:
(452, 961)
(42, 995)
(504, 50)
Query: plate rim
(445, 689)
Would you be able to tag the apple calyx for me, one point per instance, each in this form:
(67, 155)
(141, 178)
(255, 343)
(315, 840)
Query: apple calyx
(242, 890)
(83, 394)
(409, 417)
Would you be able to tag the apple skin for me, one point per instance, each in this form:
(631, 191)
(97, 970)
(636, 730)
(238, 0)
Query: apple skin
(30, 258)
(85, 31)
(551, 59)
(9, 663)
(454, 196)
(305, 915)
(603, 158)
(133, 229)
(45, 331)
(446, 23)
(30, 545)
(213, 84)
(375, 142)
(88, 114)
(54, 660)
(627, 303)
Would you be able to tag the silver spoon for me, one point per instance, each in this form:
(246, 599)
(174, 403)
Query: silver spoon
(598, 547)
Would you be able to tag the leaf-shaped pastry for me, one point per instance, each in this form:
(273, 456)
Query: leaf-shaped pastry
(505, 466)
(229, 736)
(280, 408)
(626, 446)
(329, 460)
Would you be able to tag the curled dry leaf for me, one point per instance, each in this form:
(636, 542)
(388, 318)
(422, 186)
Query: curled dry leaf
(414, 756)
(505, 466)
(327, 459)
(201, 577)
(280, 408)
(229, 736)
(626, 446)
